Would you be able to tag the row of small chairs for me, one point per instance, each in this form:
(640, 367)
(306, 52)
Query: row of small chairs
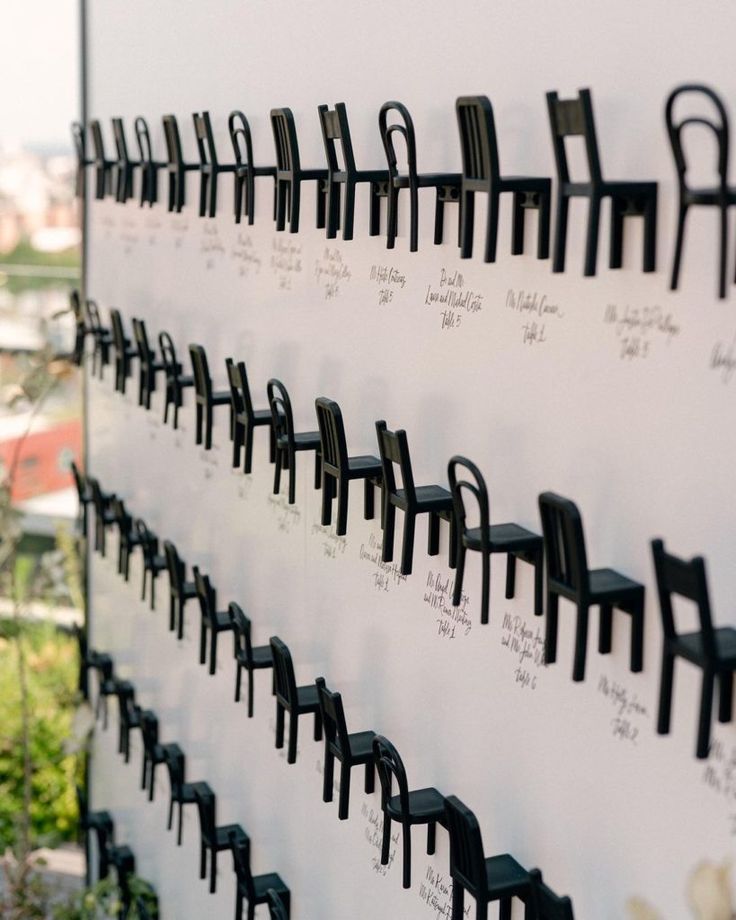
(481, 172)
(497, 878)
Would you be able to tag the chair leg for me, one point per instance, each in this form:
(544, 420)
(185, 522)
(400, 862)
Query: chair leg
(213, 650)
(605, 634)
(344, 805)
(209, 421)
(581, 643)
(295, 194)
(725, 697)
(706, 712)
(491, 228)
(374, 226)
(279, 725)
(237, 444)
(544, 217)
(317, 725)
(510, 575)
(467, 218)
(517, 225)
(171, 814)
(213, 196)
(539, 583)
(293, 736)
(406, 841)
(452, 550)
(389, 515)
(665, 693)
(386, 842)
(591, 242)
(180, 632)
(292, 477)
(321, 203)
(202, 641)
(433, 534)
(504, 910)
(550, 639)
(328, 488)
(637, 638)
(202, 860)
(617, 233)
(431, 837)
(414, 218)
(563, 206)
(369, 504)
(349, 211)
(213, 871)
(675, 277)
(271, 445)
(439, 218)
(277, 473)
(485, 602)
(250, 693)
(407, 547)
(392, 217)
(200, 418)
(342, 507)
(238, 680)
(723, 255)
(181, 824)
(650, 233)
(203, 194)
(333, 209)
(329, 776)
(457, 590)
(458, 901)
(248, 462)
(370, 778)
(280, 204)
(317, 469)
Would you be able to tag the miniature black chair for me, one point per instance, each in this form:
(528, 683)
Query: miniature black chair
(547, 904)
(180, 590)
(106, 682)
(83, 656)
(181, 792)
(568, 576)
(290, 175)
(277, 909)
(149, 166)
(102, 825)
(245, 418)
(209, 165)
(446, 185)
(206, 397)
(482, 173)
(721, 196)
(153, 751)
(255, 889)
(129, 536)
(288, 442)
(338, 469)
(420, 806)
(435, 501)
(80, 149)
(130, 715)
(574, 117)
(125, 351)
(104, 515)
(176, 166)
(176, 380)
(103, 166)
(213, 838)
(153, 561)
(512, 539)
(214, 620)
(335, 127)
(494, 878)
(292, 699)
(711, 649)
(247, 658)
(125, 166)
(245, 171)
(102, 337)
(148, 364)
(84, 497)
(351, 750)
(80, 327)
(90, 659)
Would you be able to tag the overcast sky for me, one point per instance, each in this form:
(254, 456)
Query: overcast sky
(39, 71)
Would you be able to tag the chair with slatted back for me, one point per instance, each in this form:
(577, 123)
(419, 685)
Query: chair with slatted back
(245, 418)
(288, 441)
(214, 839)
(176, 380)
(149, 365)
(125, 351)
(568, 576)
(180, 590)
(482, 173)
(418, 806)
(711, 649)
(292, 699)
(101, 336)
(176, 166)
(574, 118)
(436, 501)
(210, 167)
(547, 904)
(290, 175)
(255, 888)
(125, 165)
(343, 173)
(102, 165)
(247, 657)
(446, 185)
(206, 398)
(339, 469)
(246, 172)
(212, 620)
(150, 167)
(494, 878)
(181, 792)
(721, 195)
(128, 535)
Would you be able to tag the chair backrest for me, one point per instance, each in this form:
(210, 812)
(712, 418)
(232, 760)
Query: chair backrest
(241, 866)
(282, 418)
(564, 543)
(393, 449)
(98, 499)
(405, 128)
(93, 315)
(241, 629)
(143, 136)
(285, 139)
(390, 766)
(240, 137)
(205, 138)
(335, 127)
(125, 692)
(547, 904)
(276, 906)
(176, 765)
(333, 716)
(200, 367)
(332, 435)
(149, 730)
(174, 155)
(172, 367)
(207, 807)
(570, 118)
(121, 144)
(477, 138)
(467, 859)
(80, 148)
(175, 567)
(718, 125)
(98, 142)
(140, 337)
(148, 542)
(686, 579)
(123, 519)
(80, 482)
(118, 334)
(475, 486)
(206, 594)
(237, 376)
(284, 677)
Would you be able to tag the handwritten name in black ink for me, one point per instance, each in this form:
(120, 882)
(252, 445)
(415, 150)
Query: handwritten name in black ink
(451, 621)
(723, 359)
(245, 255)
(386, 574)
(287, 516)
(331, 271)
(286, 261)
(527, 646)
(451, 294)
(637, 328)
(333, 545)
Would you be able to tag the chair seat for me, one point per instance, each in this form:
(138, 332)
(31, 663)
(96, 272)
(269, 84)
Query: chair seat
(430, 180)
(690, 645)
(311, 174)
(361, 744)
(307, 696)
(365, 465)
(223, 621)
(429, 498)
(262, 416)
(504, 875)
(303, 440)
(708, 195)
(262, 884)
(533, 183)
(503, 538)
(262, 656)
(424, 805)
(607, 583)
(222, 834)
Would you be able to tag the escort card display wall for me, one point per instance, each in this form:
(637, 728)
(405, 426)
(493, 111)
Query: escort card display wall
(612, 390)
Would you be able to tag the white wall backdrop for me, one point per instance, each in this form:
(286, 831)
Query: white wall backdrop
(628, 418)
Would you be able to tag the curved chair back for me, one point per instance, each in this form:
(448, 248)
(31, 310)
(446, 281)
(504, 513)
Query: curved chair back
(404, 128)
(474, 485)
(718, 126)
(390, 766)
